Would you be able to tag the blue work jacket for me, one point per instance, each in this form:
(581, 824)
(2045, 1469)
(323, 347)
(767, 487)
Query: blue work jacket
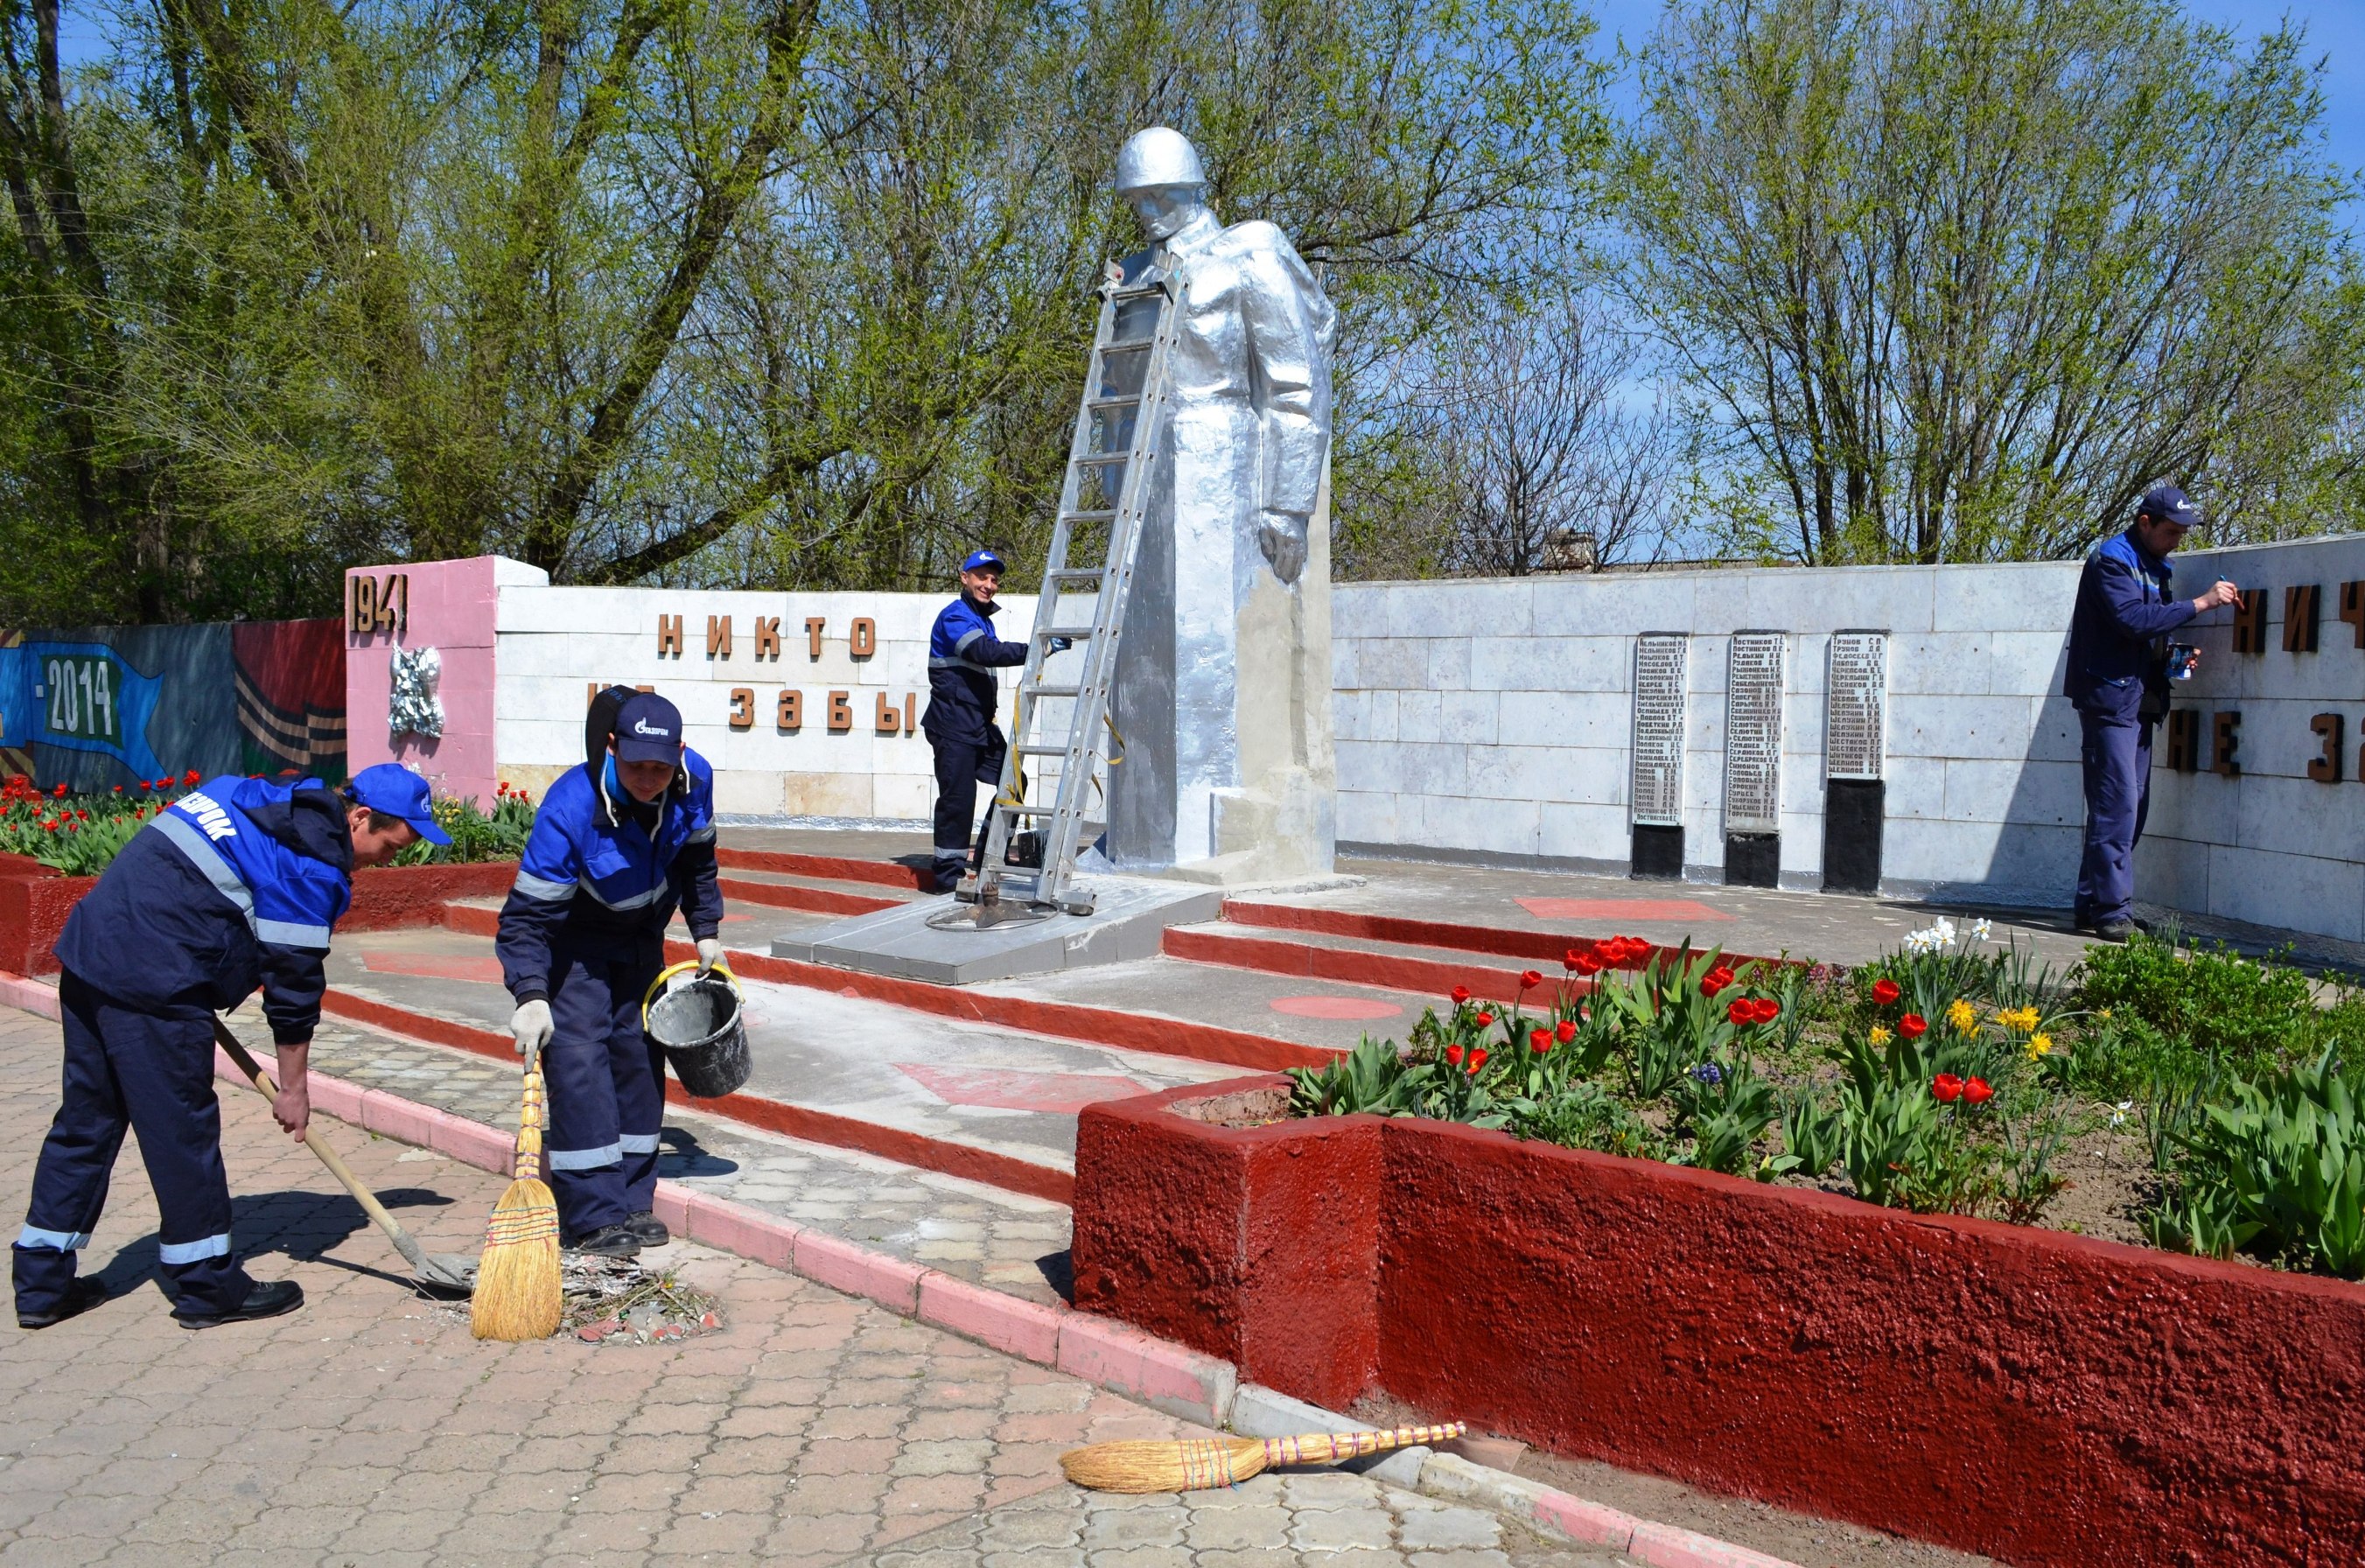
(594, 878)
(963, 654)
(2126, 607)
(235, 885)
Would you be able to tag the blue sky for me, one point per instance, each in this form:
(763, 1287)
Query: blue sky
(2336, 32)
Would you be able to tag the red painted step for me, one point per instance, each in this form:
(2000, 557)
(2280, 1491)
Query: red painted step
(1358, 965)
(1064, 1020)
(789, 895)
(837, 867)
(1545, 949)
(772, 1115)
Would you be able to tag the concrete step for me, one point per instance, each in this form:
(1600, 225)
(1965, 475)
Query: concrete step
(898, 874)
(1425, 970)
(966, 1099)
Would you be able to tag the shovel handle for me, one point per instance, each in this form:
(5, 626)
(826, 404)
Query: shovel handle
(411, 1250)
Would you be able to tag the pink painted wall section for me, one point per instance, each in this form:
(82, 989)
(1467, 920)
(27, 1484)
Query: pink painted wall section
(450, 607)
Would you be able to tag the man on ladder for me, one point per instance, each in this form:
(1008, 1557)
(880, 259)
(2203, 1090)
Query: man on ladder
(963, 654)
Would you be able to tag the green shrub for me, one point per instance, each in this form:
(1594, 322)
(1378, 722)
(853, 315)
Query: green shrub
(476, 835)
(2250, 1018)
(1372, 1077)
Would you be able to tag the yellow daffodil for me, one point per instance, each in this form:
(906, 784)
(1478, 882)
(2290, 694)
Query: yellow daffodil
(2019, 1020)
(1880, 1036)
(1963, 1016)
(2039, 1046)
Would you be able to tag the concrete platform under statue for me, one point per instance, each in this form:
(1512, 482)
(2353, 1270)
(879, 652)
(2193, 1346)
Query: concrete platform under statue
(1129, 918)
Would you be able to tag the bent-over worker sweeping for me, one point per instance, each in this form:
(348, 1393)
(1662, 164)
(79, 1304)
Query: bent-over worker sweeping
(619, 842)
(237, 884)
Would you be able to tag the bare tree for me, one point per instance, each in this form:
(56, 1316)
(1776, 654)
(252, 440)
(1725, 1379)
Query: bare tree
(1541, 426)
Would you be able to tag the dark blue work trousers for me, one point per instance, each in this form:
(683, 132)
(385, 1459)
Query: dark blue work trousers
(153, 1071)
(606, 1086)
(961, 767)
(2116, 752)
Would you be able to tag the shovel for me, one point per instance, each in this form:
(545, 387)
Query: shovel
(439, 1271)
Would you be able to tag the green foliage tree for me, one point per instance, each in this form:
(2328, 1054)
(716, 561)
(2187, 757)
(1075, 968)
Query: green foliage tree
(780, 292)
(1960, 277)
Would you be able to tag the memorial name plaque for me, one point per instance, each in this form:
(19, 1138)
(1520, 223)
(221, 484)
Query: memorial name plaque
(1856, 712)
(1753, 733)
(1659, 729)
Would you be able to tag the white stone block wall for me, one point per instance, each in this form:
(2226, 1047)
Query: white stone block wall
(1982, 781)
(553, 644)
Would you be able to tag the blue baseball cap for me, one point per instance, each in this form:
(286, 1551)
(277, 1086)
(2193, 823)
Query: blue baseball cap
(2167, 504)
(978, 560)
(648, 728)
(391, 789)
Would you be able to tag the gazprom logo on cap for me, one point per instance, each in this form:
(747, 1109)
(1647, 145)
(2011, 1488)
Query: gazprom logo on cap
(655, 731)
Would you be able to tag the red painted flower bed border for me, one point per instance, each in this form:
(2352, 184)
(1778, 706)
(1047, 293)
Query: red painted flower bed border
(35, 901)
(2037, 1397)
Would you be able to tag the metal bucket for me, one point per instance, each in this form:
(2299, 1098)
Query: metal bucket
(700, 1024)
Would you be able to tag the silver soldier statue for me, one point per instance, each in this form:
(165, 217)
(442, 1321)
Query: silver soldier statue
(1223, 689)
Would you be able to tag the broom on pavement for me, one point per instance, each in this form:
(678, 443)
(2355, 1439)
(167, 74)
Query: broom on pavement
(1190, 1464)
(518, 1292)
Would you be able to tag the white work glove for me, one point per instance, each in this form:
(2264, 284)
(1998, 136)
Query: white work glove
(710, 952)
(531, 1023)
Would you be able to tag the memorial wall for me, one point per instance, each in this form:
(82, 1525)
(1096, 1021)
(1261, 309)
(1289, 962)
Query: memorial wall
(1898, 728)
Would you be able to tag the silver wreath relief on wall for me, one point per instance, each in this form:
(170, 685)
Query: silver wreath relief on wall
(413, 708)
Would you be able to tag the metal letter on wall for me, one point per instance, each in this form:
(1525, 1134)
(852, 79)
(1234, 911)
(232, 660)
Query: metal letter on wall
(1753, 733)
(1659, 729)
(1856, 720)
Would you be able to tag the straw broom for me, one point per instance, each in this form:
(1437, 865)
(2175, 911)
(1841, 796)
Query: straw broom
(518, 1292)
(1190, 1464)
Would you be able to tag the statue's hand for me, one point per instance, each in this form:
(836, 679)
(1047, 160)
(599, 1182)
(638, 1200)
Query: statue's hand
(1281, 536)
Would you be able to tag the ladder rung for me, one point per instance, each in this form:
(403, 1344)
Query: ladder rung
(1130, 345)
(1097, 404)
(1071, 633)
(1052, 690)
(1139, 291)
(1076, 574)
(1042, 751)
(1103, 459)
(1029, 811)
(1108, 516)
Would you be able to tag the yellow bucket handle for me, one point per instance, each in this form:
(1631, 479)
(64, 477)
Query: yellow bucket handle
(649, 997)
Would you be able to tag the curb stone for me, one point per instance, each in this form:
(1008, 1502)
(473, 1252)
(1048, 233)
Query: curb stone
(1101, 1351)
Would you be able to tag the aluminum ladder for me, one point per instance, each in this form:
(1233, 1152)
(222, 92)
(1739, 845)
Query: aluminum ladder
(1119, 421)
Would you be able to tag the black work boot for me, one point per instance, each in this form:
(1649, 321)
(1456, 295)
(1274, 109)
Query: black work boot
(649, 1231)
(616, 1241)
(81, 1297)
(266, 1300)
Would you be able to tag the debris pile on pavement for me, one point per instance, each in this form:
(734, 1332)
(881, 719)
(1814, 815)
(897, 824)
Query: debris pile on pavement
(613, 1302)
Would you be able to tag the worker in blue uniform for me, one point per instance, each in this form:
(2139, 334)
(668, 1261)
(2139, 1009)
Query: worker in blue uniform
(618, 844)
(969, 747)
(235, 885)
(2117, 679)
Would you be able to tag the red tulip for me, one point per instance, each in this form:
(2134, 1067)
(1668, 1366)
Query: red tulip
(1586, 964)
(1741, 1014)
(1885, 992)
(60, 791)
(1453, 1055)
(1484, 1018)
(1979, 1091)
(1461, 995)
(1947, 1087)
(1768, 1009)
(1540, 1040)
(119, 789)
(1913, 1026)
(1564, 1031)
(1531, 978)
(1716, 980)
(1568, 959)
(1477, 1060)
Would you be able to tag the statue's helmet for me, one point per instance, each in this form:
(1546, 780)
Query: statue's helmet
(1157, 157)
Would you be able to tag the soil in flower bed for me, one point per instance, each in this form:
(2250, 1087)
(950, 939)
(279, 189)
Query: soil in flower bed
(1802, 1538)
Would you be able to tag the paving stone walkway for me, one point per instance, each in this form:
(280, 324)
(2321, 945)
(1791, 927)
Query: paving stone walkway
(369, 1428)
(1343, 1521)
(988, 1236)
